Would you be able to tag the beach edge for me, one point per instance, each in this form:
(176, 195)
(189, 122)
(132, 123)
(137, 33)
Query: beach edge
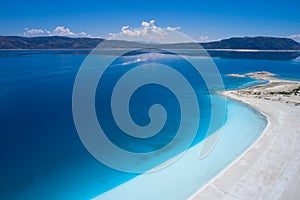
(239, 179)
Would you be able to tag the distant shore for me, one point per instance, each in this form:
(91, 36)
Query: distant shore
(270, 169)
(236, 44)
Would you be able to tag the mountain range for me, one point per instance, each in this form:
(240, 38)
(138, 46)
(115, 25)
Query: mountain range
(58, 42)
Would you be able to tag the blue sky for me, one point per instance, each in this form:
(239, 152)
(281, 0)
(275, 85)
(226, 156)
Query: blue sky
(208, 20)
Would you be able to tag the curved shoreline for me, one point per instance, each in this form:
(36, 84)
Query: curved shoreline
(191, 171)
(196, 195)
(264, 170)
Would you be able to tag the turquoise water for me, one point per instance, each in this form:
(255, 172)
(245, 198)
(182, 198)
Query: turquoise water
(44, 158)
(190, 173)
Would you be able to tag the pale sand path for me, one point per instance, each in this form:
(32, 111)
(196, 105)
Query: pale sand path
(270, 169)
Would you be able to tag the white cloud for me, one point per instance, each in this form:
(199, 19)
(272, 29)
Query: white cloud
(295, 37)
(58, 31)
(203, 38)
(148, 32)
(173, 28)
(124, 28)
(145, 24)
(29, 32)
(62, 31)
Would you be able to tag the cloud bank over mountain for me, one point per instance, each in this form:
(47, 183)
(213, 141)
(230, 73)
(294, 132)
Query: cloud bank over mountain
(58, 31)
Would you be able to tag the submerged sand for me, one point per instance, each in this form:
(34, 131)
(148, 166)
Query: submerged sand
(270, 169)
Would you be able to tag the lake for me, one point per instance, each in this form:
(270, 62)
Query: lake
(43, 157)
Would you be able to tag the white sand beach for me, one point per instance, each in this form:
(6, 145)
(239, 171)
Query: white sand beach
(270, 169)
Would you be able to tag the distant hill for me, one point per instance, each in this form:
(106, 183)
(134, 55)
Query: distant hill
(57, 42)
(258, 43)
(53, 42)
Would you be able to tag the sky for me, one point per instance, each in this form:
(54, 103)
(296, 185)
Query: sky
(202, 20)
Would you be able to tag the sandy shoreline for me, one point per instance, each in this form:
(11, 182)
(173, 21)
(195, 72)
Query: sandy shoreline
(270, 169)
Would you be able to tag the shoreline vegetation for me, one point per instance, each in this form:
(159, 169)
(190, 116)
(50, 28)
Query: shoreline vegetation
(270, 169)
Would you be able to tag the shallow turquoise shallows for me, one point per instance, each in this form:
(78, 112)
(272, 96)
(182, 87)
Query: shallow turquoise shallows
(189, 173)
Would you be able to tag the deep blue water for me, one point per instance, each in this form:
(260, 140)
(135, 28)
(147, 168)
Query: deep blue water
(42, 155)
